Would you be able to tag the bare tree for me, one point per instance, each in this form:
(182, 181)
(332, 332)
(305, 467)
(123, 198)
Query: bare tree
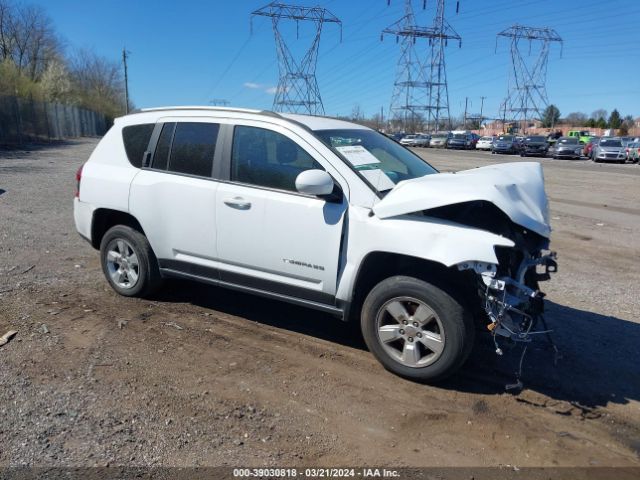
(577, 119)
(98, 83)
(6, 28)
(27, 38)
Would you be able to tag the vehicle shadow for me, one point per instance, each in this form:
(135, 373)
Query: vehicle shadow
(266, 311)
(598, 363)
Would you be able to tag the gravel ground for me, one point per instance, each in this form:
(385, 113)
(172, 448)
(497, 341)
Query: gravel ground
(204, 376)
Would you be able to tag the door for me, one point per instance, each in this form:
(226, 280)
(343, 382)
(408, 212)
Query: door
(269, 236)
(174, 198)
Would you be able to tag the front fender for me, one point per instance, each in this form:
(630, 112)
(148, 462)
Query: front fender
(427, 238)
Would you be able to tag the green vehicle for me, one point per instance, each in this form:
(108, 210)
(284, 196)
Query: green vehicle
(583, 135)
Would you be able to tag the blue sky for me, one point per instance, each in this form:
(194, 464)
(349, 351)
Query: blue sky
(191, 51)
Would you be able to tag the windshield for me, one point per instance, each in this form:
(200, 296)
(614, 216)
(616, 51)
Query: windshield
(486, 139)
(460, 136)
(409, 137)
(439, 136)
(610, 143)
(506, 138)
(569, 141)
(536, 139)
(382, 162)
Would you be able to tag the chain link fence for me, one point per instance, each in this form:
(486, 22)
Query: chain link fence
(25, 120)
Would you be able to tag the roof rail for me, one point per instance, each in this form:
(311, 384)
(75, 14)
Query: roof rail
(201, 107)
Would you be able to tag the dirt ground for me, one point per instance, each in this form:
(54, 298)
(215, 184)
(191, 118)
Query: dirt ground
(205, 376)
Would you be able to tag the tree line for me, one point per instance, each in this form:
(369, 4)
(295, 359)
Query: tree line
(598, 119)
(35, 63)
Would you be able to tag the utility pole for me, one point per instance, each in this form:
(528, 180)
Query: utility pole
(464, 122)
(297, 90)
(481, 107)
(125, 55)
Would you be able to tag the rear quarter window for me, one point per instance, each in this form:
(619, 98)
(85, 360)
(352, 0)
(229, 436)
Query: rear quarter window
(136, 139)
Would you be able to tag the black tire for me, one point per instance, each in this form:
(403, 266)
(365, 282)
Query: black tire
(454, 324)
(149, 279)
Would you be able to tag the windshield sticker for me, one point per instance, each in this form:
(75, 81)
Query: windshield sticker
(358, 155)
(378, 179)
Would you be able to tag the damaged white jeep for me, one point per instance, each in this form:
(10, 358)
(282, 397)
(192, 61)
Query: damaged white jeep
(326, 214)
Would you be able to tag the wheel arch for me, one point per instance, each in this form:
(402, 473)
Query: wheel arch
(378, 265)
(105, 218)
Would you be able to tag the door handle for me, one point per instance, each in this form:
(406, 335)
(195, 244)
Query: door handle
(237, 202)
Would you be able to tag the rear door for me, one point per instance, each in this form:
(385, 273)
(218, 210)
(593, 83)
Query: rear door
(174, 197)
(269, 236)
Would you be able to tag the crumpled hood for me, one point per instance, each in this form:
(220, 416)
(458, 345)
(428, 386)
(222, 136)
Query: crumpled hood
(515, 188)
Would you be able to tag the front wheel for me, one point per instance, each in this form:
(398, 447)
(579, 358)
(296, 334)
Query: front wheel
(128, 262)
(415, 329)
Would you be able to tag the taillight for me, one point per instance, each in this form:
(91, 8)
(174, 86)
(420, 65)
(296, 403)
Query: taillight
(78, 178)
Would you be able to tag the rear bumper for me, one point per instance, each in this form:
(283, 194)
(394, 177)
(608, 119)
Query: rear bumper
(83, 217)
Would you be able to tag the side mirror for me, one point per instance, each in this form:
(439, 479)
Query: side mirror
(314, 182)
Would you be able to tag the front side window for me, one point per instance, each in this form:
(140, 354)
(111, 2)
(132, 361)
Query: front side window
(381, 161)
(267, 159)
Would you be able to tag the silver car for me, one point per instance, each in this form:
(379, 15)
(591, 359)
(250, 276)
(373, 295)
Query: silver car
(566, 147)
(609, 150)
(439, 140)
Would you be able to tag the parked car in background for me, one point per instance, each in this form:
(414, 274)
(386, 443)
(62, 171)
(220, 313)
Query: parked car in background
(397, 136)
(423, 140)
(626, 140)
(566, 147)
(484, 143)
(409, 140)
(633, 152)
(534, 145)
(439, 140)
(582, 135)
(463, 140)
(588, 147)
(503, 144)
(474, 140)
(518, 143)
(609, 149)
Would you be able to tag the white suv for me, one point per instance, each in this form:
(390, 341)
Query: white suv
(322, 213)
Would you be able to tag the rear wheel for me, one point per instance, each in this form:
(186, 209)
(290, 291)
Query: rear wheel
(415, 329)
(128, 262)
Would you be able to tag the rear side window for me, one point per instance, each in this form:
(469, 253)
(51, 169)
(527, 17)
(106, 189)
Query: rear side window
(193, 147)
(136, 139)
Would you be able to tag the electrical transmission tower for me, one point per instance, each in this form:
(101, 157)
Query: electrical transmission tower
(420, 89)
(527, 93)
(297, 90)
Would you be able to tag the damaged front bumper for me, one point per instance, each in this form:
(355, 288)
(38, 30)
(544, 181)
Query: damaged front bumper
(514, 305)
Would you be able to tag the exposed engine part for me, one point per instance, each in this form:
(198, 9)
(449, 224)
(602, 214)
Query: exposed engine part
(515, 309)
